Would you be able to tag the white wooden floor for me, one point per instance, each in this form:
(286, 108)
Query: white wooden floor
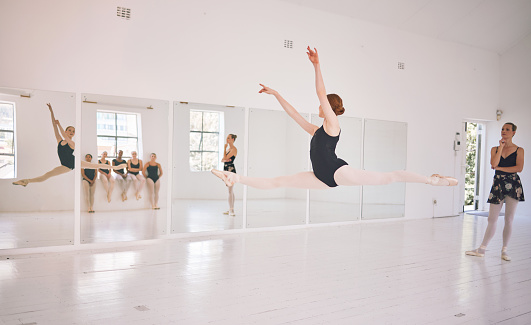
(397, 272)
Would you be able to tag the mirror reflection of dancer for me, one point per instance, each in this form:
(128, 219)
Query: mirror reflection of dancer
(89, 183)
(154, 173)
(65, 151)
(228, 160)
(105, 176)
(508, 160)
(328, 170)
(122, 177)
(134, 167)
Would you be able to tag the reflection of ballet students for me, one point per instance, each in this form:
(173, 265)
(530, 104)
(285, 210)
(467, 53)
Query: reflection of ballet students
(154, 173)
(121, 175)
(105, 176)
(508, 160)
(89, 180)
(229, 154)
(328, 170)
(134, 167)
(65, 151)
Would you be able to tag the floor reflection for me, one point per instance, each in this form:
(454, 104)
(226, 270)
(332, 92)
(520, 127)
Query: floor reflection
(36, 229)
(114, 226)
(204, 215)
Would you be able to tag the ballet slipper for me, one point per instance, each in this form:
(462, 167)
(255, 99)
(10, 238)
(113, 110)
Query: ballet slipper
(123, 198)
(226, 212)
(476, 252)
(444, 180)
(23, 182)
(504, 255)
(224, 177)
(232, 214)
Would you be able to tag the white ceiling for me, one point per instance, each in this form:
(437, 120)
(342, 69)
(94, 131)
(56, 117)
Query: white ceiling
(494, 25)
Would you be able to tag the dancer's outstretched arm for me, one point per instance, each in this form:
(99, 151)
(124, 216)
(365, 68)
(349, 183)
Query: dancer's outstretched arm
(66, 138)
(292, 112)
(54, 124)
(331, 123)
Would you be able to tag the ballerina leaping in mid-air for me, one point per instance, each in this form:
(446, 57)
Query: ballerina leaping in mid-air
(328, 169)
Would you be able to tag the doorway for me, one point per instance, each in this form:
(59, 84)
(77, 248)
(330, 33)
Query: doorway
(474, 160)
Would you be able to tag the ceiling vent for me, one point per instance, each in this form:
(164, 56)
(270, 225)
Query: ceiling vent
(288, 44)
(124, 13)
(401, 66)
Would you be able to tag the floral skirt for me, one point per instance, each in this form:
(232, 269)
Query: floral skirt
(506, 185)
(229, 167)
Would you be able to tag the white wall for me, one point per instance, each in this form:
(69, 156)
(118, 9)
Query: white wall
(515, 101)
(36, 153)
(217, 52)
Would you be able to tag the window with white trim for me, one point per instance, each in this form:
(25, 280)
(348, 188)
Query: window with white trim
(117, 131)
(7, 140)
(205, 129)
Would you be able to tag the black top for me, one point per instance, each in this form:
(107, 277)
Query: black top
(323, 156)
(509, 161)
(134, 166)
(153, 172)
(106, 171)
(65, 154)
(116, 163)
(90, 173)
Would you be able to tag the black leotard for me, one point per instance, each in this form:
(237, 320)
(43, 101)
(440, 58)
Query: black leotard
(116, 162)
(323, 157)
(66, 156)
(153, 173)
(105, 171)
(134, 166)
(229, 165)
(90, 173)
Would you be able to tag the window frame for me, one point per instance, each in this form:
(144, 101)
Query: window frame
(116, 136)
(13, 132)
(219, 133)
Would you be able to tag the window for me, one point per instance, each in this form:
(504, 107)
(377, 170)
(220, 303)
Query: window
(117, 131)
(205, 140)
(7, 140)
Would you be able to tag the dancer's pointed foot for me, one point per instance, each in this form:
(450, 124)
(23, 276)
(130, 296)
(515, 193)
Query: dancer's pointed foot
(23, 182)
(227, 177)
(504, 255)
(123, 197)
(480, 252)
(439, 180)
(109, 198)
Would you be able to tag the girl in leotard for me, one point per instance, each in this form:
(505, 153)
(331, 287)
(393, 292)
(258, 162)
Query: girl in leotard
(508, 160)
(328, 170)
(65, 151)
(134, 167)
(89, 183)
(121, 175)
(153, 171)
(229, 156)
(105, 176)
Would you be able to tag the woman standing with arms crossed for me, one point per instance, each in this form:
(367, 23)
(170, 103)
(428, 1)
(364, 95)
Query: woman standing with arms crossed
(89, 179)
(228, 159)
(154, 173)
(507, 160)
(134, 167)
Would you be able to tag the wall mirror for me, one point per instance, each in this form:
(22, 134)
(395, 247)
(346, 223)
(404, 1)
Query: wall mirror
(41, 213)
(277, 147)
(200, 200)
(340, 203)
(385, 150)
(123, 204)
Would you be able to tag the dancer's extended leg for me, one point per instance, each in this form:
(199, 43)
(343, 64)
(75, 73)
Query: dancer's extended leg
(138, 181)
(349, 176)
(510, 210)
(54, 172)
(151, 189)
(156, 196)
(305, 180)
(89, 165)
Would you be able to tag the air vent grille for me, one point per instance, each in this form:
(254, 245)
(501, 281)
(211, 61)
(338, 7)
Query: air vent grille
(401, 65)
(124, 13)
(288, 44)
